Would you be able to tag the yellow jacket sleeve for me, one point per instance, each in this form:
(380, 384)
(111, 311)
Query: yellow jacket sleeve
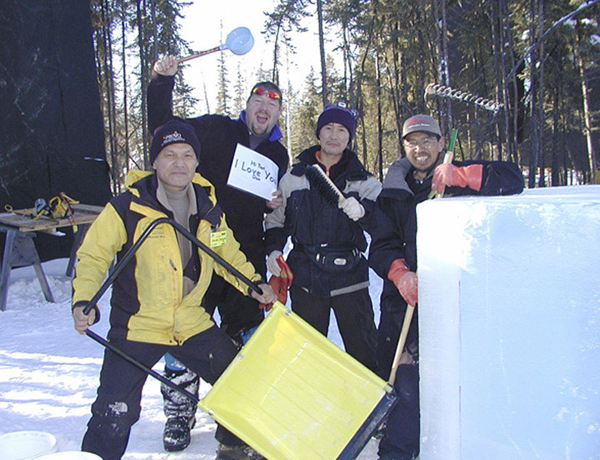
(103, 240)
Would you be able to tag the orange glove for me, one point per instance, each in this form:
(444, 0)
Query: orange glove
(281, 283)
(405, 281)
(447, 175)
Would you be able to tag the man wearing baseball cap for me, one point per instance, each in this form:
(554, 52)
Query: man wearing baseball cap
(327, 231)
(156, 298)
(410, 180)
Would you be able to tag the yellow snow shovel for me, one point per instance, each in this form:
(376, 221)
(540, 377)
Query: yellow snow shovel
(294, 395)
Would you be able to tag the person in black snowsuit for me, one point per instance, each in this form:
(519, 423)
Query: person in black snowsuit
(219, 135)
(327, 262)
(410, 181)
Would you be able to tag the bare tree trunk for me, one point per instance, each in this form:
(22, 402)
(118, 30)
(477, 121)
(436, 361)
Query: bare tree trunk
(422, 64)
(154, 31)
(441, 31)
(500, 20)
(144, 81)
(396, 85)
(497, 21)
(288, 114)
(510, 88)
(348, 67)
(556, 136)
(445, 58)
(359, 81)
(568, 160)
(275, 73)
(585, 96)
(360, 105)
(206, 97)
(379, 120)
(223, 83)
(322, 51)
(534, 151)
(125, 99)
(539, 107)
(110, 93)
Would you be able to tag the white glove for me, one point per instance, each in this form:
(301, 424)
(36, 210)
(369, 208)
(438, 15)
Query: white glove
(353, 209)
(272, 264)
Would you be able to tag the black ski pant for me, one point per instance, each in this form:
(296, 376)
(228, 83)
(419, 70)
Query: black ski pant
(353, 313)
(239, 313)
(400, 439)
(117, 406)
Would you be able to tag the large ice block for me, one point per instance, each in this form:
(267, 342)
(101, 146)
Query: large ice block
(509, 323)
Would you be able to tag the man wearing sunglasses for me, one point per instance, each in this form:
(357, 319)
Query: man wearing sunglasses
(219, 136)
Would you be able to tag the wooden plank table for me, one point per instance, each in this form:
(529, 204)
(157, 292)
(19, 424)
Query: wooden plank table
(19, 251)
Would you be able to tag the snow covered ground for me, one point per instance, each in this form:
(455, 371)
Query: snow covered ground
(49, 373)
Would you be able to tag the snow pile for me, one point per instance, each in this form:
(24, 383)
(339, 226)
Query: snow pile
(49, 373)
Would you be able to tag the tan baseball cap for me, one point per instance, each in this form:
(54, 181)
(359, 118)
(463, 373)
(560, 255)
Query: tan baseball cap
(421, 124)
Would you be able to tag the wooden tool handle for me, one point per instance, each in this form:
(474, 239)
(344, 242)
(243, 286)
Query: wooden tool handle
(196, 55)
(449, 156)
(410, 310)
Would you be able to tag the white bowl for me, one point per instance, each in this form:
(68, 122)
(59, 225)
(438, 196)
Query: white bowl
(71, 455)
(26, 445)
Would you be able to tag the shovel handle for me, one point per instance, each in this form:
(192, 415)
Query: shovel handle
(130, 253)
(410, 310)
(106, 344)
(119, 267)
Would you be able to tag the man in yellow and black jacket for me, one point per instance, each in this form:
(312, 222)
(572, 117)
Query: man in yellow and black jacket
(156, 299)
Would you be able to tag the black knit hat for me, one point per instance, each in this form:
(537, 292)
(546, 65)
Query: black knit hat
(173, 132)
(337, 114)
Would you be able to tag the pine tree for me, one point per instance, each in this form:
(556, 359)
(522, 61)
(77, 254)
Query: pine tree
(540, 60)
(128, 37)
(304, 115)
(285, 18)
(239, 92)
(223, 87)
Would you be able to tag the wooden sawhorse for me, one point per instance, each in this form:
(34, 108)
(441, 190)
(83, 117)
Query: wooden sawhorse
(20, 251)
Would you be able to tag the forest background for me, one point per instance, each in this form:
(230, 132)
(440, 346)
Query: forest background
(517, 79)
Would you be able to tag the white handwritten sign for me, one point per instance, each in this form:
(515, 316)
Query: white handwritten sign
(253, 173)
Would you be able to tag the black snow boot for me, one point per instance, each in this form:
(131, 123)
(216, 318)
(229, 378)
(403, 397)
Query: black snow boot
(242, 452)
(176, 435)
(180, 411)
(380, 431)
